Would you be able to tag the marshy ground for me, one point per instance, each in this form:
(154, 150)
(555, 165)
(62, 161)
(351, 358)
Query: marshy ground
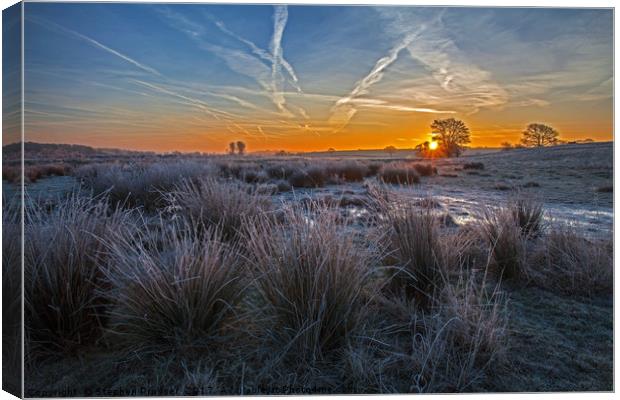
(345, 273)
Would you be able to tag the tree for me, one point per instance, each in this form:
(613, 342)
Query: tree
(507, 146)
(240, 148)
(539, 135)
(390, 150)
(452, 135)
(231, 148)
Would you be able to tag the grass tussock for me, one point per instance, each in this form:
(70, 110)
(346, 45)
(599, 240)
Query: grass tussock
(500, 229)
(139, 185)
(313, 278)
(570, 264)
(174, 289)
(399, 175)
(209, 203)
(474, 165)
(63, 253)
(11, 288)
(529, 215)
(425, 169)
(348, 171)
(312, 177)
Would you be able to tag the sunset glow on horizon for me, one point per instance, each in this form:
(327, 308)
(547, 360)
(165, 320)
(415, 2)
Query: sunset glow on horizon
(305, 78)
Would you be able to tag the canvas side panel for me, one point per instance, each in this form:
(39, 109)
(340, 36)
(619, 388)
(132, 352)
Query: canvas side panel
(11, 199)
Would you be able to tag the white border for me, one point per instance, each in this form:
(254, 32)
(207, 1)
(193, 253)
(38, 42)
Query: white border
(475, 3)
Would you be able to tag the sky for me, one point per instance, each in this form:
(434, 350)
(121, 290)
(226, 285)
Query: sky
(299, 78)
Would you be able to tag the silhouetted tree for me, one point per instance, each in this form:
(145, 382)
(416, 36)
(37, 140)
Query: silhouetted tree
(507, 146)
(539, 135)
(390, 150)
(452, 135)
(240, 148)
(231, 148)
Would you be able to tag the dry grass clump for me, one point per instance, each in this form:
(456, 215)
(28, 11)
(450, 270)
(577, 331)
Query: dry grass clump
(350, 171)
(35, 172)
(11, 290)
(425, 169)
(11, 174)
(473, 165)
(605, 189)
(140, 185)
(174, 289)
(62, 254)
(414, 241)
(529, 215)
(209, 202)
(280, 171)
(445, 348)
(399, 175)
(500, 228)
(424, 254)
(571, 264)
(308, 178)
(373, 169)
(313, 278)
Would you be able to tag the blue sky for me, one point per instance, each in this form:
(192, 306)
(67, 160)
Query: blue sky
(194, 77)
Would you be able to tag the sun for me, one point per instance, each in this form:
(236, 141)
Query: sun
(433, 145)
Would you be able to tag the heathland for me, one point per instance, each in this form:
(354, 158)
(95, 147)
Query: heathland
(357, 272)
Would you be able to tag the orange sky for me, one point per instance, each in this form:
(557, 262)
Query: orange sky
(307, 78)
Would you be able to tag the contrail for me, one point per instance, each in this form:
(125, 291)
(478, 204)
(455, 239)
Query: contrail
(343, 111)
(263, 54)
(95, 43)
(280, 16)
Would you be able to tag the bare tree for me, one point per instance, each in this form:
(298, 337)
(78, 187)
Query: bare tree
(241, 148)
(538, 135)
(452, 135)
(231, 148)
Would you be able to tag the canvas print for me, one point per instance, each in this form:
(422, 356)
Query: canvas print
(234, 199)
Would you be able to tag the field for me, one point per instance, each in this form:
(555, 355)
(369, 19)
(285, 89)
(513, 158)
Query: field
(319, 273)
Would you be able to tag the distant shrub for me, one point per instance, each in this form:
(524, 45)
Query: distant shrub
(174, 291)
(605, 189)
(308, 178)
(399, 175)
(531, 184)
(425, 169)
(473, 165)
